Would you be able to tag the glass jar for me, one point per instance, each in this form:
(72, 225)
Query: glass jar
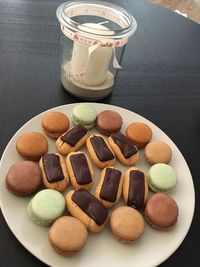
(94, 36)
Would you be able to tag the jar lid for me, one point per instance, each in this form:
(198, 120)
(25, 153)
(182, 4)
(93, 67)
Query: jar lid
(111, 12)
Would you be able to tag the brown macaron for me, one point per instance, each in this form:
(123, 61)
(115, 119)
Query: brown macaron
(108, 122)
(140, 133)
(67, 235)
(24, 178)
(32, 145)
(127, 224)
(55, 123)
(157, 152)
(161, 211)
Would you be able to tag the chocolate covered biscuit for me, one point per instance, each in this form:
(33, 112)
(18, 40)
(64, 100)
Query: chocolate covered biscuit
(72, 140)
(80, 170)
(124, 149)
(85, 207)
(54, 172)
(109, 188)
(100, 151)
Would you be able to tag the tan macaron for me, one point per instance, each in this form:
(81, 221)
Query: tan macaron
(55, 124)
(32, 145)
(158, 152)
(127, 224)
(67, 235)
(140, 133)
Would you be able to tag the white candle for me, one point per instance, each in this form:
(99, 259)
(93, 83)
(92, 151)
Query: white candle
(95, 67)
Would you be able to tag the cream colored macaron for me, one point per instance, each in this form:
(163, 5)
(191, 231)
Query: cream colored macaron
(67, 235)
(127, 224)
(158, 152)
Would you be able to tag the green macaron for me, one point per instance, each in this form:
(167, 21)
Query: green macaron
(85, 115)
(46, 206)
(162, 178)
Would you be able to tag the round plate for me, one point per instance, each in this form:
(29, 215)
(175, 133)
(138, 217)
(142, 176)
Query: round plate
(102, 249)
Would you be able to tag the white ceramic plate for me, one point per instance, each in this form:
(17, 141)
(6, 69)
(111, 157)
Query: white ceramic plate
(102, 249)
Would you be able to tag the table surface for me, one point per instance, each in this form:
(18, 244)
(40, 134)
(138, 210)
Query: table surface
(160, 80)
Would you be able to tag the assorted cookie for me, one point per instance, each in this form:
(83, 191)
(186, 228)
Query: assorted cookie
(72, 140)
(140, 133)
(108, 122)
(24, 178)
(157, 152)
(68, 234)
(85, 207)
(80, 170)
(46, 206)
(135, 188)
(32, 145)
(126, 224)
(109, 188)
(55, 124)
(84, 114)
(162, 177)
(161, 211)
(100, 151)
(126, 152)
(54, 171)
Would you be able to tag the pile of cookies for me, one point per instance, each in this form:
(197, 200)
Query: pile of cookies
(70, 165)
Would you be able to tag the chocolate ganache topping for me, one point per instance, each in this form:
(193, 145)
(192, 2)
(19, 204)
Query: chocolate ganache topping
(80, 168)
(90, 205)
(136, 189)
(126, 146)
(52, 167)
(101, 148)
(74, 135)
(110, 185)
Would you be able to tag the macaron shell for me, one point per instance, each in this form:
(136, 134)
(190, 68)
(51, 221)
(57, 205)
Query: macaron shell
(162, 177)
(46, 206)
(127, 224)
(55, 123)
(158, 152)
(32, 145)
(84, 114)
(140, 133)
(24, 178)
(67, 235)
(161, 211)
(108, 122)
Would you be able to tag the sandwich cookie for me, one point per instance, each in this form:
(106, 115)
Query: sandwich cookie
(80, 170)
(24, 178)
(67, 235)
(161, 211)
(100, 151)
(55, 123)
(46, 206)
(140, 133)
(108, 122)
(85, 207)
(157, 152)
(162, 178)
(124, 149)
(32, 145)
(135, 188)
(85, 115)
(109, 188)
(127, 224)
(54, 172)
(72, 140)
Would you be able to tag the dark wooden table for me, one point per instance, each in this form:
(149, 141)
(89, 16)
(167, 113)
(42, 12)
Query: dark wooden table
(160, 80)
